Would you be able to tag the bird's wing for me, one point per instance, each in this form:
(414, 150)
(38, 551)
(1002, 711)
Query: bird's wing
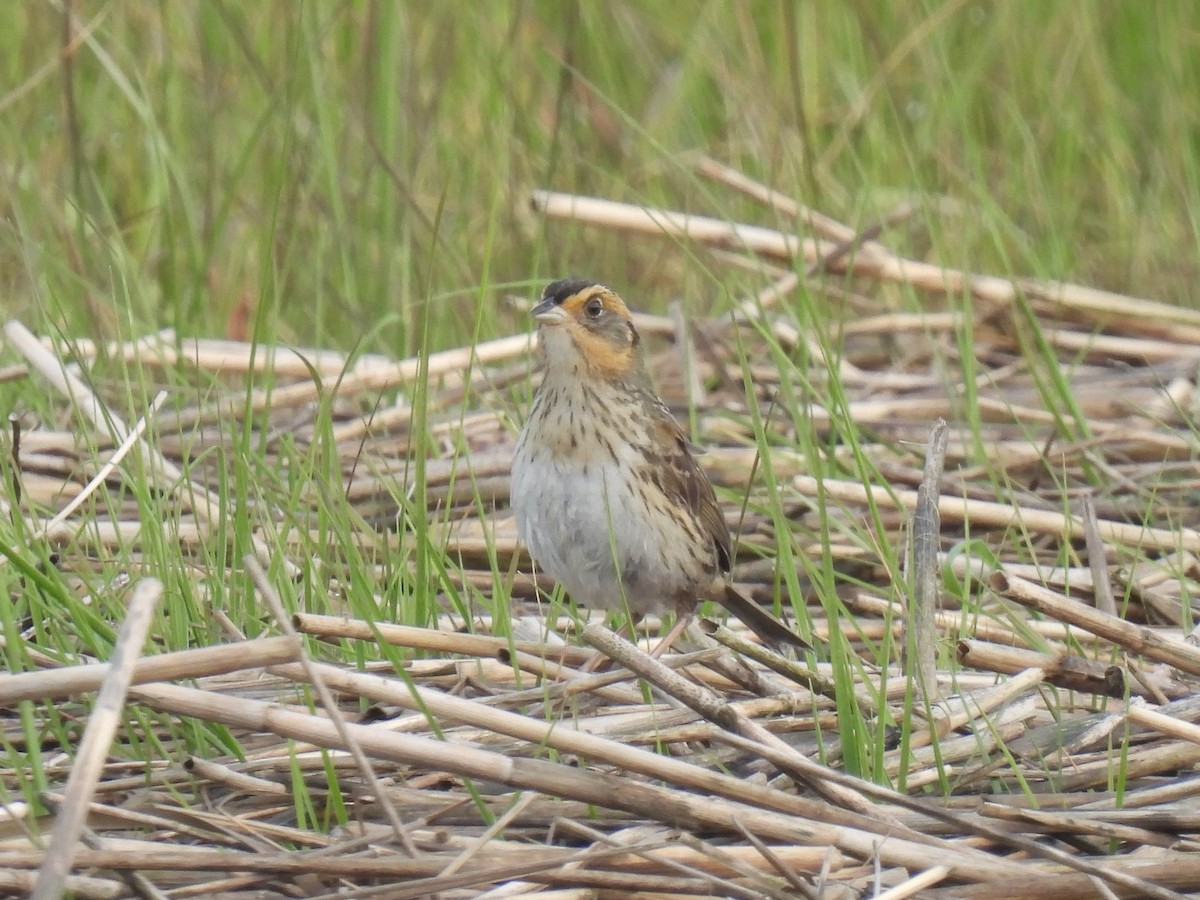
(682, 479)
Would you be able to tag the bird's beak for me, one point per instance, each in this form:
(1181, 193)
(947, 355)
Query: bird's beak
(547, 313)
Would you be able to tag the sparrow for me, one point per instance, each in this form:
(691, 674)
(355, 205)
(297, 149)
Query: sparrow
(606, 492)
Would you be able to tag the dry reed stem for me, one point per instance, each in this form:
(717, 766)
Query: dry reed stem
(1132, 434)
(1134, 313)
(269, 596)
(97, 736)
(1135, 711)
(955, 712)
(1134, 638)
(168, 349)
(105, 470)
(427, 639)
(71, 681)
(824, 225)
(444, 363)
(18, 883)
(914, 885)
(1072, 673)
(1069, 823)
(711, 232)
(1000, 515)
(238, 782)
(1180, 871)
(926, 539)
(674, 807)
(91, 408)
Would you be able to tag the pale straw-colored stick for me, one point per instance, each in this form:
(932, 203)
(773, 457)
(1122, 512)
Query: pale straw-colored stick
(169, 477)
(221, 356)
(238, 782)
(15, 883)
(912, 887)
(1134, 638)
(430, 639)
(665, 223)
(1001, 515)
(824, 225)
(97, 738)
(71, 681)
(105, 470)
(457, 360)
(271, 598)
(90, 406)
(926, 541)
(1147, 316)
(1137, 711)
(645, 799)
(955, 712)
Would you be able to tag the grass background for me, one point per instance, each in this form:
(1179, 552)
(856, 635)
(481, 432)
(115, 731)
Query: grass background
(354, 172)
(356, 175)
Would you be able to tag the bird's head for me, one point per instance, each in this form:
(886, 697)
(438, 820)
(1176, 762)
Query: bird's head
(586, 327)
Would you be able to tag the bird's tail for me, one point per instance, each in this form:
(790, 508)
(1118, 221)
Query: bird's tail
(772, 631)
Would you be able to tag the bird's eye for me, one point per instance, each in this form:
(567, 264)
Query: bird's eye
(593, 308)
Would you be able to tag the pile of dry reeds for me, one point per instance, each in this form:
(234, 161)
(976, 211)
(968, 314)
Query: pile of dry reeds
(495, 768)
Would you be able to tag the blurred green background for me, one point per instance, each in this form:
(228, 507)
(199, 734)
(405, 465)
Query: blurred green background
(333, 173)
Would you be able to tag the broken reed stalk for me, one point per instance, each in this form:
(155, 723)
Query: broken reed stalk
(926, 542)
(1133, 638)
(664, 804)
(1097, 560)
(1073, 673)
(1127, 445)
(71, 681)
(97, 737)
(1137, 313)
(427, 639)
(166, 475)
(271, 598)
(1000, 515)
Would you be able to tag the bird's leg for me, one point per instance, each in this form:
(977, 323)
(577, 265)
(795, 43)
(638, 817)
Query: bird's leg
(682, 621)
(599, 662)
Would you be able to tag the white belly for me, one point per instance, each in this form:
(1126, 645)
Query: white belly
(580, 529)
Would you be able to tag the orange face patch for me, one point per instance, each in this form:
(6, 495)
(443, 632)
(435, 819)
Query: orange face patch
(603, 356)
(601, 327)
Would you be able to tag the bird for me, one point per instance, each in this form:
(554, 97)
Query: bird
(606, 492)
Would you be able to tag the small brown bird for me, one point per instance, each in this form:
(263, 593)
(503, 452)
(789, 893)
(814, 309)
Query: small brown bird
(606, 493)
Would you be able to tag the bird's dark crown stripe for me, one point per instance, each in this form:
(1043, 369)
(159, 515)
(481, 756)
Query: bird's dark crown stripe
(560, 291)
